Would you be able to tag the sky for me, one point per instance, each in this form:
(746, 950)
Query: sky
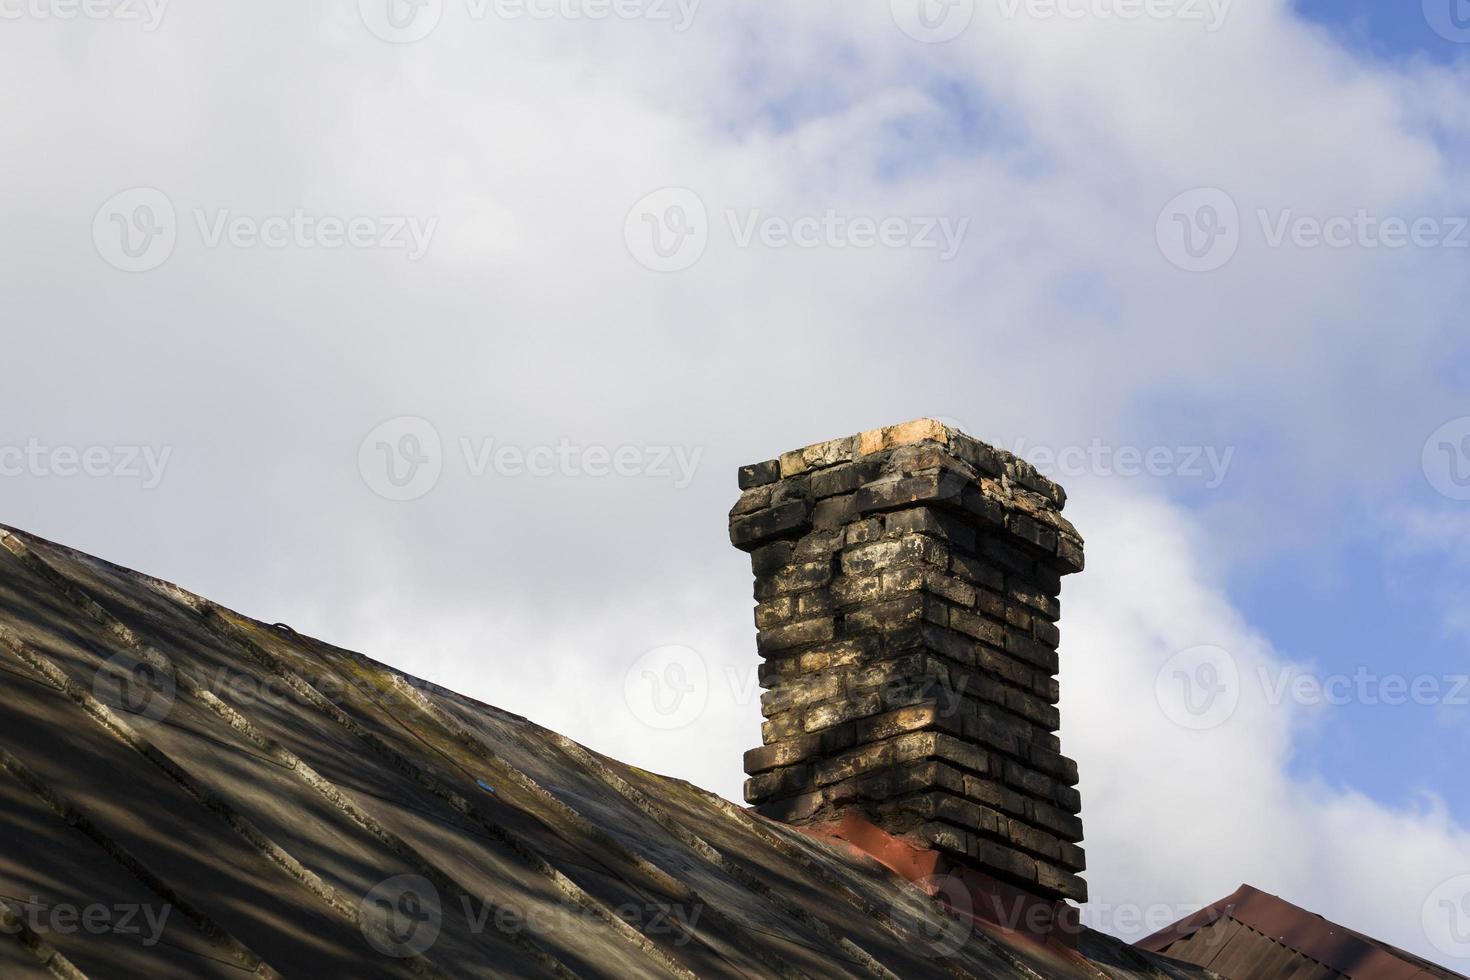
(440, 330)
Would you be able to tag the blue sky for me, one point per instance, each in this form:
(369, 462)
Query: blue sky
(1384, 28)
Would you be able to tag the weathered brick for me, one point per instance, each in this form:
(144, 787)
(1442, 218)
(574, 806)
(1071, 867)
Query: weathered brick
(974, 570)
(1046, 633)
(781, 520)
(949, 587)
(791, 809)
(914, 718)
(1073, 858)
(965, 755)
(1057, 766)
(778, 782)
(998, 727)
(1006, 860)
(833, 512)
(1065, 825)
(1069, 551)
(791, 752)
(1033, 532)
(817, 603)
(1048, 580)
(840, 479)
(904, 492)
(886, 615)
(788, 724)
(990, 603)
(1061, 882)
(977, 626)
(796, 634)
(861, 532)
(1033, 709)
(925, 520)
(1022, 645)
(1011, 559)
(983, 508)
(769, 557)
(793, 579)
(759, 474)
(755, 499)
(997, 796)
(832, 713)
(818, 546)
(944, 837)
(967, 814)
(775, 612)
(879, 555)
(1028, 595)
(978, 455)
(1028, 838)
(903, 434)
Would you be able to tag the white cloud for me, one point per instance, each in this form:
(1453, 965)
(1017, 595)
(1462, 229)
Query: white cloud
(1179, 818)
(528, 321)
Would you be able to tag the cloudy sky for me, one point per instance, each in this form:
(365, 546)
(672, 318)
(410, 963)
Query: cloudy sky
(439, 331)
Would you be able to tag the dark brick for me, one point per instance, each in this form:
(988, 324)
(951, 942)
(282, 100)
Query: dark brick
(844, 478)
(759, 474)
(751, 501)
(768, 558)
(861, 532)
(1032, 531)
(775, 612)
(896, 492)
(979, 627)
(1061, 883)
(782, 520)
(780, 754)
(833, 512)
(793, 579)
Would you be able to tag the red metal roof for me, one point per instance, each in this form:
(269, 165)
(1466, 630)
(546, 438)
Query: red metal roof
(1255, 936)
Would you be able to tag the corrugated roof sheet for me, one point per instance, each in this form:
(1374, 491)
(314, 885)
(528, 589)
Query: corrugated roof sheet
(1255, 936)
(188, 792)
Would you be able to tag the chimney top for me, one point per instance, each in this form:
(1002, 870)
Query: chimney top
(906, 587)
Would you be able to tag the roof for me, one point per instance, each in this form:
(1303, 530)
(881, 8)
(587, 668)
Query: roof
(187, 792)
(1251, 935)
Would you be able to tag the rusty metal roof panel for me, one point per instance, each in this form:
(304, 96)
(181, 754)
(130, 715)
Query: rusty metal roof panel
(269, 804)
(1251, 935)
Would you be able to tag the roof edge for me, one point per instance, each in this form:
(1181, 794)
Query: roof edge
(1333, 945)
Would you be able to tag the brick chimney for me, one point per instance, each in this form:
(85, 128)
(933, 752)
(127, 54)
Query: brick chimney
(906, 582)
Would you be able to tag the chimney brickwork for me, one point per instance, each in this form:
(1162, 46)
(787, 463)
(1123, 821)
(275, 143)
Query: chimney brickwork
(906, 582)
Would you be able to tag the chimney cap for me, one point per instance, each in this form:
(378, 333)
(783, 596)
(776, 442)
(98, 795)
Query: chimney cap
(986, 459)
(889, 465)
